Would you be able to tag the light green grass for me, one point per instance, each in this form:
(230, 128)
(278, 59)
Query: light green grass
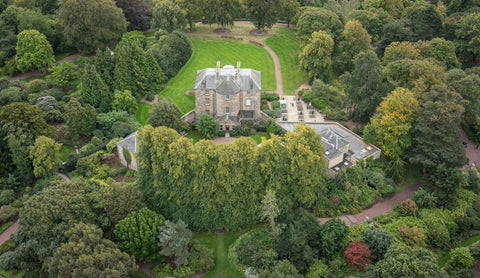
(258, 137)
(64, 151)
(285, 45)
(12, 273)
(143, 112)
(206, 52)
(464, 243)
(60, 56)
(220, 244)
(5, 226)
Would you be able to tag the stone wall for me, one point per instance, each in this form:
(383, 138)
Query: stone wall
(190, 117)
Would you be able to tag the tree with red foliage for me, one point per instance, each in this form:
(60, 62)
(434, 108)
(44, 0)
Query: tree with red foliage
(358, 255)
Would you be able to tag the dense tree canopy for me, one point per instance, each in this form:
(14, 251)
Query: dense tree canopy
(221, 12)
(263, 13)
(137, 13)
(45, 155)
(168, 15)
(33, 51)
(91, 24)
(316, 56)
(165, 113)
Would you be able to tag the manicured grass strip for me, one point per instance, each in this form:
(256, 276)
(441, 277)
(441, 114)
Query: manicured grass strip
(285, 45)
(464, 243)
(64, 151)
(220, 244)
(5, 226)
(206, 52)
(12, 273)
(143, 112)
(60, 56)
(258, 137)
(195, 135)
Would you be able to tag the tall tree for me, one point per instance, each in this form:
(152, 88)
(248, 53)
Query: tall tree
(288, 9)
(425, 21)
(137, 234)
(270, 211)
(354, 39)
(93, 89)
(24, 117)
(168, 15)
(395, 31)
(91, 24)
(137, 13)
(469, 88)
(124, 101)
(399, 51)
(165, 113)
(221, 12)
(87, 254)
(192, 10)
(173, 239)
(172, 52)
(33, 51)
(317, 19)
(45, 156)
(366, 86)
(467, 37)
(436, 137)
(316, 56)
(135, 70)
(104, 61)
(207, 126)
(80, 119)
(443, 51)
(263, 13)
(392, 122)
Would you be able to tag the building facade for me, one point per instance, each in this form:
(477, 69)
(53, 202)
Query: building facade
(231, 95)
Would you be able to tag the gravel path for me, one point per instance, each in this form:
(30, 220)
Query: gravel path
(8, 232)
(381, 207)
(472, 150)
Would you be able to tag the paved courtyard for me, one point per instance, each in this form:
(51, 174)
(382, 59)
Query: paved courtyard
(299, 111)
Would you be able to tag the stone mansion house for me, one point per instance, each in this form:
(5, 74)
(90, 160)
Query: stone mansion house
(229, 94)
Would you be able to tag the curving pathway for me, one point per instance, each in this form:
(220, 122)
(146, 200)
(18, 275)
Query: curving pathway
(379, 208)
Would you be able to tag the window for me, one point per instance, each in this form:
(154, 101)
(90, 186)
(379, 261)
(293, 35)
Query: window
(249, 102)
(207, 93)
(207, 111)
(227, 110)
(227, 97)
(221, 127)
(207, 101)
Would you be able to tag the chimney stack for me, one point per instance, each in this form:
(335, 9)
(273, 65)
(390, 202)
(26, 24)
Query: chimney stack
(238, 68)
(218, 67)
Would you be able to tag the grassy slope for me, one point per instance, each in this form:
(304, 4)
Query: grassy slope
(143, 112)
(220, 244)
(464, 243)
(285, 45)
(206, 52)
(64, 151)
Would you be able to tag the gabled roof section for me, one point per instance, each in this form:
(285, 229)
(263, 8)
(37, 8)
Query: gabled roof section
(129, 143)
(228, 80)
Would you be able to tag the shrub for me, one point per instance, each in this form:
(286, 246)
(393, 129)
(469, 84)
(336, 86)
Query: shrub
(36, 86)
(475, 250)
(269, 96)
(8, 260)
(461, 258)
(112, 144)
(63, 74)
(317, 270)
(8, 213)
(207, 126)
(357, 255)
(424, 199)
(7, 196)
(201, 258)
(379, 241)
(12, 94)
(47, 103)
(182, 272)
(413, 236)
(356, 232)
(408, 208)
(255, 249)
(8, 245)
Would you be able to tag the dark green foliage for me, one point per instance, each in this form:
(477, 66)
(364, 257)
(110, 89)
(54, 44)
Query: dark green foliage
(466, 37)
(87, 254)
(117, 124)
(173, 238)
(425, 21)
(29, 19)
(221, 12)
(104, 64)
(395, 31)
(425, 199)
(12, 94)
(444, 182)
(168, 16)
(7, 213)
(80, 119)
(207, 126)
(366, 86)
(270, 96)
(64, 74)
(436, 138)
(135, 70)
(323, 97)
(201, 257)
(36, 86)
(379, 241)
(118, 200)
(165, 113)
(91, 24)
(94, 91)
(137, 234)
(281, 269)
(137, 13)
(263, 13)
(7, 196)
(333, 237)
(403, 261)
(124, 101)
(255, 249)
(473, 179)
(172, 52)
(315, 19)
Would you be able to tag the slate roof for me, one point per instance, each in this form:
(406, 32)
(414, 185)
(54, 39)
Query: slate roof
(228, 80)
(130, 143)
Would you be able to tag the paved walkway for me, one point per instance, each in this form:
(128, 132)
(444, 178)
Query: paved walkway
(8, 232)
(472, 151)
(381, 207)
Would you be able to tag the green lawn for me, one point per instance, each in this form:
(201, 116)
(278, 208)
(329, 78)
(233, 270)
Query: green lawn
(285, 45)
(60, 56)
(206, 52)
(64, 151)
(258, 137)
(220, 244)
(195, 135)
(143, 112)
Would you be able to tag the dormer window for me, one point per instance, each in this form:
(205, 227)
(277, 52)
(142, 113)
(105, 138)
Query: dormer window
(227, 97)
(227, 110)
